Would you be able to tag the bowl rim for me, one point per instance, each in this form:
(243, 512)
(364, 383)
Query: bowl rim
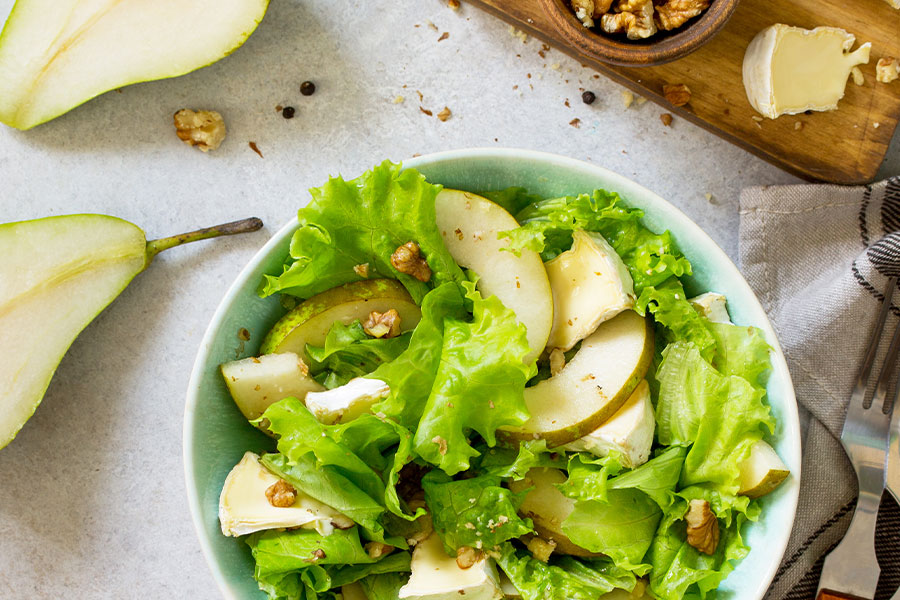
(790, 421)
(630, 54)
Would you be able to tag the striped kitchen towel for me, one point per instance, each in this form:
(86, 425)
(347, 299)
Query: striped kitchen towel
(803, 250)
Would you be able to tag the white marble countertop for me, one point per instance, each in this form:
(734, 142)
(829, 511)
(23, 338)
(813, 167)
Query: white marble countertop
(92, 498)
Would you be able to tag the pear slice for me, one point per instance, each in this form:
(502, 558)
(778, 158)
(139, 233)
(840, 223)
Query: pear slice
(629, 431)
(345, 403)
(257, 383)
(595, 384)
(56, 275)
(309, 321)
(57, 54)
(547, 507)
(509, 590)
(244, 507)
(590, 285)
(762, 471)
(711, 305)
(469, 225)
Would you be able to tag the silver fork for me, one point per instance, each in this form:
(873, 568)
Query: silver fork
(851, 569)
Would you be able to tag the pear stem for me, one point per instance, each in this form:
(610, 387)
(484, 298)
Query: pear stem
(235, 227)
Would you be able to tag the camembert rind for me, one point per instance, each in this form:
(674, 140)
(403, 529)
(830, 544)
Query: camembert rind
(436, 576)
(789, 70)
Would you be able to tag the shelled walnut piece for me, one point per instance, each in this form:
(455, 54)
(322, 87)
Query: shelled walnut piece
(637, 19)
(204, 129)
(702, 527)
(887, 69)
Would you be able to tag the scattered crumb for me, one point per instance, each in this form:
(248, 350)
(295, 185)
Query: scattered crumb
(887, 69)
(756, 118)
(399, 99)
(203, 129)
(444, 114)
(426, 111)
(278, 108)
(453, 4)
(567, 103)
(430, 24)
(444, 36)
(666, 119)
(627, 98)
(710, 198)
(576, 122)
(255, 148)
(876, 124)
(421, 97)
(555, 66)
(858, 77)
(798, 125)
(639, 100)
(519, 34)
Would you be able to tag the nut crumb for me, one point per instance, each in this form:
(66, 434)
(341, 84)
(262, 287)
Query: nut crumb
(204, 129)
(756, 118)
(540, 548)
(858, 77)
(281, 494)
(557, 361)
(362, 270)
(430, 24)
(702, 527)
(519, 34)
(383, 325)
(444, 114)
(627, 98)
(408, 259)
(255, 148)
(399, 99)
(666, 119)
(887, 69)
(876, 125)
(444, 36)
(426, 111)
(639, 100)
(798, 125)
(677, 94)
(441, 443)
(467, 556)
(576, 123)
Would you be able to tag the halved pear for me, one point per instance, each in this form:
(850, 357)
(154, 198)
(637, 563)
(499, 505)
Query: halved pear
(56, 275)
(309, 321)
(469, 225)
(608, 366)
(547, 507)
(57, 54)
(629, 431)
(590, 285)
(244, 507)
(762, 471)
(346, 402)
(257, 383)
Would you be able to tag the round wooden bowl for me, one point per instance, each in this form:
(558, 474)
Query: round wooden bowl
(661, 48)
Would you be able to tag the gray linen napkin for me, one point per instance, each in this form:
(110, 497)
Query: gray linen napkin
(803, 250)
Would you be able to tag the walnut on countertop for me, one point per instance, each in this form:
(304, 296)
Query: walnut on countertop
(702, 527)
(408, 259)
(204, 129)
(281, 494)
(675, 13)
(634, 17)
(887, 69)
(383, 325)
(677, 94)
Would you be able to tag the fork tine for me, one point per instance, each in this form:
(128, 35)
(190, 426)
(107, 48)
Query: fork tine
(887, 369)
(862, 380)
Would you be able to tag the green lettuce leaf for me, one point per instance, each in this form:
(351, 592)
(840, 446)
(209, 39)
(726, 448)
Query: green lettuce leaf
(361, 221)
(721, 417)
(622, 527)
(563, 578)
(513, 200)
(282, 552)
(348, 352)
(741, 351)
(384, 587)
(507, 462)
(474, 512)
(479, 385)
(668, 304)
(398, 562)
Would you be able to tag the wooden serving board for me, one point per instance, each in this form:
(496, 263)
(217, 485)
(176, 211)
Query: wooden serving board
(843, 146)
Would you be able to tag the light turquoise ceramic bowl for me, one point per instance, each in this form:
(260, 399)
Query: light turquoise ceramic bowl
(216, 435)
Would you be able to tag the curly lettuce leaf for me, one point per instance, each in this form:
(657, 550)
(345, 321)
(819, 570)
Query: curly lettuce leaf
(719, 416)
(741, 351)
(668, 304)
(563, 578)
(622, 527)
(397, 562)
(363, 221)
(479, 385)
(513, 200)
(349, 352)
(476, 512)
(507, 462)
(383, 587)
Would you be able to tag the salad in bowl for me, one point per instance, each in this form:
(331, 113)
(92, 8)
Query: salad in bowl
(494, 394)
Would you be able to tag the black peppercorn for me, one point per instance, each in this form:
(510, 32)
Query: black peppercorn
(307, 88)
(288, 112)
(588, 97)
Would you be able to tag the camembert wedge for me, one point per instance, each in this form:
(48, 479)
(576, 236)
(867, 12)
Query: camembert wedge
(789, 70)
(348, 401)
(711, 305)
(436, 576)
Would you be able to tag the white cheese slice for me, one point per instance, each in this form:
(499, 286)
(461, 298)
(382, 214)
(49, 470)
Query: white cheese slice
(713, 306)
(789, 70)
(590, 285)
(257, 383)
(345, 403)
(436, 576)
(244, 508)
(629, 431)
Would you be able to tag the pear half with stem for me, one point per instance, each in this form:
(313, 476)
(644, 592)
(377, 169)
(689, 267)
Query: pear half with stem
(56, 275)
(58, 54)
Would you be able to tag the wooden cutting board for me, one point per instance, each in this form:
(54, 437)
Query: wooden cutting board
(843, 146)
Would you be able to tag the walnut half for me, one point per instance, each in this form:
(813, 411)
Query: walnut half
(634, 17)
(408, 259)
(281, 494)
(204, 129)
(887, 69)
(675, 13)
(702, 527)
(467, 556)
(383, 325)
